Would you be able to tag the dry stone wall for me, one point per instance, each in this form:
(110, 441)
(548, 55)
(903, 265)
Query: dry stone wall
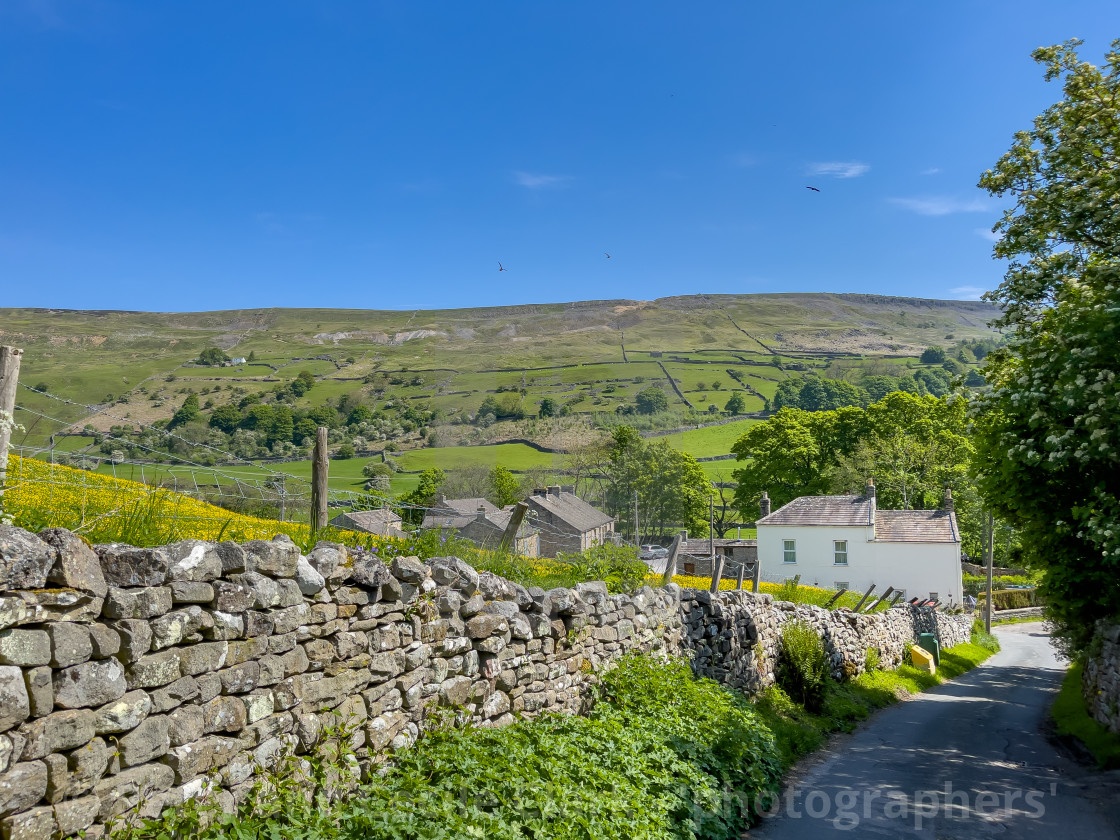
(131, 678)
(1100, 679)
(130, 675)
(734, 637)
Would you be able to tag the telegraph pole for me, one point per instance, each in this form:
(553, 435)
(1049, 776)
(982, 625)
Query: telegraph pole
(990, 549)
(712, 527)
(637, 536)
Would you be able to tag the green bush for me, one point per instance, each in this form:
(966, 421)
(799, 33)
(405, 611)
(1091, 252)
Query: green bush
(662, 755)
(1013, 599)
(803, 665)
(616, 565)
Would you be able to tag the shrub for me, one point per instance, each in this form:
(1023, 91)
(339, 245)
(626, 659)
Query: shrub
(803, 665)
(616, 565)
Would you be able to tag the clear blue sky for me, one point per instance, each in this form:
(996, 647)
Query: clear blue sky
(211, 155)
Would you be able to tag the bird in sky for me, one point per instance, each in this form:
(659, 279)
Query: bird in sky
(608, 255)
(814, 189)
(501, 267)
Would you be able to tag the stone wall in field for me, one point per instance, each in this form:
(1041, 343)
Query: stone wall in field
(734, 637)
(129, 676)
(1100, 680)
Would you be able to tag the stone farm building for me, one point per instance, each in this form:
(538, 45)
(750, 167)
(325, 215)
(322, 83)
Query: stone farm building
(482, 523)
(383, 523)
(566, 522)
(845, 542)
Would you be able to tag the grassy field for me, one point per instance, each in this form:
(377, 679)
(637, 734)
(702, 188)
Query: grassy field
(711, 440)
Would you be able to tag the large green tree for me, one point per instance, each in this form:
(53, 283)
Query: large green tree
(670, 486)
(1047, 429)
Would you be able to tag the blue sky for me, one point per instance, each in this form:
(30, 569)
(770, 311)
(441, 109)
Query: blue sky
(216, 155)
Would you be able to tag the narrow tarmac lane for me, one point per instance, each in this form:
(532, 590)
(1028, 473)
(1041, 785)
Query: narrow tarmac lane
(966, 760)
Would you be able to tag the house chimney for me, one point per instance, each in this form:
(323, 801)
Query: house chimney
(869, 494)
(555, 490)
(948, 504)
(540, 491)
(482, 510)
(764, 504)
(442, 500)
(568, 488)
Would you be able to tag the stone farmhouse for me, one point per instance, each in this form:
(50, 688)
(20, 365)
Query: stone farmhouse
(481, 522)
(566, 522)
(845, 542)
(383, 523)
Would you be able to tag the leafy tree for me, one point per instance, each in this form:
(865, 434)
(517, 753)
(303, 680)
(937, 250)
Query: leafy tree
(371, 469)
(303, 383)
(212, 356)
(878, 386)
(226, 417)
(735, 404)
(359, 414)
(671, 487)
(548, 408)
(344, 452)
(811, 393)
(933, 355)
(504, 485)
(252, 357)
(651, 400)
(423, 496)
(187, 413)
(1047, 428)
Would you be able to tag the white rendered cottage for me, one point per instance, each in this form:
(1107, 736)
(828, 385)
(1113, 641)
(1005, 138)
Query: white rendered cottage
(843, 542)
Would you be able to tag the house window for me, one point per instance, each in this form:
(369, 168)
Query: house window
(933, 596)
(690, 568)
(840, 554)
(789, 551)
(840, 584)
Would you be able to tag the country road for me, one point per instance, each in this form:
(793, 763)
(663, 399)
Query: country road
(967, 760)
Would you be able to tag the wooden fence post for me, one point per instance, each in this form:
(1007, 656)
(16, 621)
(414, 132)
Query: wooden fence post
(717, 573)
(319, 466)
(834, 598)
(866, 595)
(515, 518)
(757, 578)
(739, 579)
(671, 561)
(884, 597)
(9, 376)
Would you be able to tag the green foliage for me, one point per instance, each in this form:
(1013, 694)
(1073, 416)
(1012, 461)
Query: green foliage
(982, 638)
(423, 496)
(1013, 599)
(504, 486)
(1048, 426)
(662, 756)
(1072, 720)
(672, 489)
(933, 355)
(547, 408)
(803, 665)
(345, 451)
(812, 393)
(212, 356)
(188, 413)
(616, 565)
(735, 404)
(651, 400)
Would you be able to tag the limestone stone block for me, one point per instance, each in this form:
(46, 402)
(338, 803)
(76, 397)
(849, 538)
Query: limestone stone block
(171, 696)
(119, 793)
(455, 691)
(22, 786)
(89, 684)
(24, 647)
(233, 596)
(209, 687)
(193, 560)
(192, 760)
(154, 670)
(185, 725)
(70, 644)
(308, 578)
(78, 566)
(326, 558)
(240, 678)
(123, 714)
(233, 557)
(191, 592)
(147, 741)
(453, 572)
(368, 570)
(171, 629)
(40, 690)
(134, 637)
(289, 593)
(224, 714)
(202, 658)
(125, 565)
(64, 730)
(75, 815)
(277, 557)
(86, 765)
(104, 640)
(36, 824)
(25, 559)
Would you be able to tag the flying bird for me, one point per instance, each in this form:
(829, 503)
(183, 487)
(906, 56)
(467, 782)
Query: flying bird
(608, 255)
(501, 267)
(814, 189)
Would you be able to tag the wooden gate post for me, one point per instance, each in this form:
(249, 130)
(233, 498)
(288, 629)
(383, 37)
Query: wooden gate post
(9, 376)
(319, 466)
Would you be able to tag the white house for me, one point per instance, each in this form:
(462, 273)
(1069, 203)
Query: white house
(844, 542)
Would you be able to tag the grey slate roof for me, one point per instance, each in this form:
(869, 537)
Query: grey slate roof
(370, 521)
(937, 526)
(822, 510)
(455, 513)
(699, 547)
(569, 509)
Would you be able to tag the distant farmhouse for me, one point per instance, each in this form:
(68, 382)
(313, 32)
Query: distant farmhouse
(845, 542)
(695, 556)
(566, 522)
(482, 523)
(383, 523)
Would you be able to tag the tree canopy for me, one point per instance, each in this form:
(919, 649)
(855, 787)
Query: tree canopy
(1047, 429)
(651, 400)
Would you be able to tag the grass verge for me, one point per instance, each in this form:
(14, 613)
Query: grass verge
(1072, 718)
